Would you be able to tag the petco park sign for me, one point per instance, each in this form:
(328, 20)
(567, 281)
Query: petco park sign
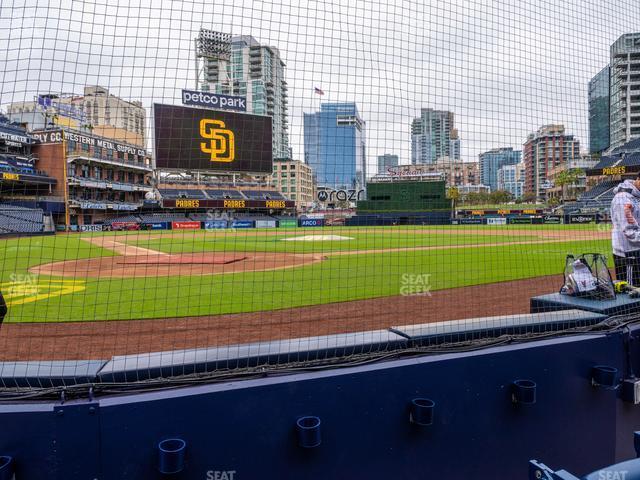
(214, 100)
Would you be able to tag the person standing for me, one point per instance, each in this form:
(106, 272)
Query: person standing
(625, 234)
(3, 308)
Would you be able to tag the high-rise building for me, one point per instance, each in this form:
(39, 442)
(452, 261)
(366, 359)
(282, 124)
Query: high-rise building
(241, 66)
(294, 179)
(599, 111)
(334, 146)
(624, 111)
(511, 179)
(385, 161)
(433, 136)
(97, 112)
(491, 161)
(544, 150)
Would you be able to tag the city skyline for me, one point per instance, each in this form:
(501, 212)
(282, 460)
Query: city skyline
(507, 91)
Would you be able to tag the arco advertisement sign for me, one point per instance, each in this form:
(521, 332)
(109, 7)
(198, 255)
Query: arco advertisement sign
(311, 222)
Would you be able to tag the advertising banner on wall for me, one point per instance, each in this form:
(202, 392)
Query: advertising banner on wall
(496, 221)
(58, 136)
(582, 218)
(471, 221)
(311, 222)
(155, 226)
(519, 220)
(185, 225)
(215, 224)
(552, 219)
(265, 224)
(13, 138)
(287, 223)
(125, 226)
(198, 139)
(90, 228)
(242, 224)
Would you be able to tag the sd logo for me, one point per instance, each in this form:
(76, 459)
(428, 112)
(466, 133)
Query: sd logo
(221, 146)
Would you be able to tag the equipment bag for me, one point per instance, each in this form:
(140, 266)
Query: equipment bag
(587, 275)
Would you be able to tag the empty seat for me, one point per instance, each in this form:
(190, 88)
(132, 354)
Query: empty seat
(222, 194)
(20, 220)
(263, 195)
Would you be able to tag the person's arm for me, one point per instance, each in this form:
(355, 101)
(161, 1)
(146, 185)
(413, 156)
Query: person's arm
(624, 217)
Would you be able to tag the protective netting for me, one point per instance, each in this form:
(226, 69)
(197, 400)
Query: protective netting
(196, 187)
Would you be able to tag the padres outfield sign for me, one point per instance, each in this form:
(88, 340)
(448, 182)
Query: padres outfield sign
(198, 139)
(227, 204)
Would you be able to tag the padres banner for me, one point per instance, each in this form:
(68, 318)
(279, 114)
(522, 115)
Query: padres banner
(198, 139)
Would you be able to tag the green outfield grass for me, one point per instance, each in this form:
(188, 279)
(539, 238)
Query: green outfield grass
(339, 278)
(380, 239)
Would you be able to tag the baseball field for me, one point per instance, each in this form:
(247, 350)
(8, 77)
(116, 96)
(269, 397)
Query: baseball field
(92, 295)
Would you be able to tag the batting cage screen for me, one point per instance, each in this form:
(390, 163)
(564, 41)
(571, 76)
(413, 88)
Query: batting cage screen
(196, 190)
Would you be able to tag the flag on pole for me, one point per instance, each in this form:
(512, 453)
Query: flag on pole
(318, 91)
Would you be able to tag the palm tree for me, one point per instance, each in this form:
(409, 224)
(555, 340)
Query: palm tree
(453, 194)
(567, 178)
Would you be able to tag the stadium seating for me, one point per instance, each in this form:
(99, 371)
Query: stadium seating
(608, 161)
(162, 217)
(630, 146)
(599, 189)
(263, 195)
(224, 194)
(200, 217)
(630, 159)
(8, 206)
(252, 217)
(597, 199)
(123, 218)
(15, 219)
(186, 193)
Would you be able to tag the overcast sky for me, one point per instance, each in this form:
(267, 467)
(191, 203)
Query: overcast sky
(504, 67)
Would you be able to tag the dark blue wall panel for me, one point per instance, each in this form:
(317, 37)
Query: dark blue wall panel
(249, 426)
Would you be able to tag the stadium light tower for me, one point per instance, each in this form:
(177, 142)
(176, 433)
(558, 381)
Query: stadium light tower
(213, 53)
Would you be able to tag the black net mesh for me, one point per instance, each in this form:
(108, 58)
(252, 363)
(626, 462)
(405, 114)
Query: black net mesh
(196, 188)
